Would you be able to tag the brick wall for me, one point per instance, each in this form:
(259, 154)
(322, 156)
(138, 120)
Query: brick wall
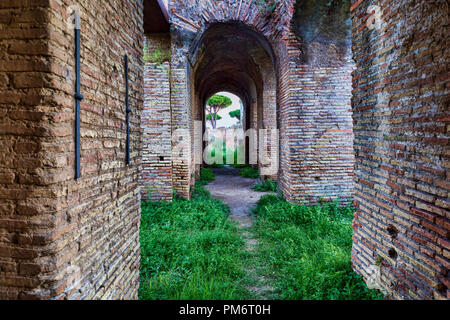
(318, 112)
(157, 124)
(400, 105)
(62, 238)
(78, 239)
(27, 202)
(189, 25)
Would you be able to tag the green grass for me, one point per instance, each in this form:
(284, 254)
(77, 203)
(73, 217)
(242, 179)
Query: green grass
(206, 175)
(249, 173)
(307, 251)
(266, 186)
(190, 250)
(215, 165)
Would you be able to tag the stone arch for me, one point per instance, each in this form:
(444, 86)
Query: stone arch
(188, 25)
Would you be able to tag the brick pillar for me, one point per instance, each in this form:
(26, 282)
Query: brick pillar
(181, 131)
(29, 164)
(156, 122)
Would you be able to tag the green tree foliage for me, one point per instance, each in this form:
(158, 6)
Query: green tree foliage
(236, 114)
(216, 103)
(209, 117)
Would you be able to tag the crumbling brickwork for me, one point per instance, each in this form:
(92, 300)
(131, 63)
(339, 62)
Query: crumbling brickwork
(400, 106)
(27, 201)
(63, 238)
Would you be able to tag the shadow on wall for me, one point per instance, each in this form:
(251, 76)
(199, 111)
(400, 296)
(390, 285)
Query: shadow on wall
(325, 26)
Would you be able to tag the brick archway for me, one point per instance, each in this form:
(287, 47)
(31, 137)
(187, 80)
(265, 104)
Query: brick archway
(230, 56)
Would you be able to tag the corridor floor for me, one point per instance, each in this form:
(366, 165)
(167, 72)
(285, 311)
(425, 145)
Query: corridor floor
(237, 193)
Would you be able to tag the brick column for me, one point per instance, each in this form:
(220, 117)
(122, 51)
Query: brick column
(157, 140)
(181, 131)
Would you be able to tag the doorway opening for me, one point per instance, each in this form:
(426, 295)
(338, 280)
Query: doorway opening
(224, 131)
(231, 61)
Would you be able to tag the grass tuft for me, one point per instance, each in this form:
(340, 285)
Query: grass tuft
(249, 173)
(266, 186)
(307, 250)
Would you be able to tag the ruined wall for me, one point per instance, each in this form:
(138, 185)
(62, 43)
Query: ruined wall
(61, 238)
(156, 122)
(27, 201)
(400, 105)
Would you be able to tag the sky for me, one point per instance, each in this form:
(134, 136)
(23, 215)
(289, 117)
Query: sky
(226, 120)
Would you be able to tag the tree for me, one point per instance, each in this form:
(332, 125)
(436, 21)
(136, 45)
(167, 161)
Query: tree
(209, 117)
(216, 103)
(236, 114)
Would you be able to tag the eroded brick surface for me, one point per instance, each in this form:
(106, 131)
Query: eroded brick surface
(156, 123)
(400, 105)
(61, 238)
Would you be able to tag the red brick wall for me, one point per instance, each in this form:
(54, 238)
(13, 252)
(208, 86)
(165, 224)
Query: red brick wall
(400, 105)
(27, 203)
(62, 238)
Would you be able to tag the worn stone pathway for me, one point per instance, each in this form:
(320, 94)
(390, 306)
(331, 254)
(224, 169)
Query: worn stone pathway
(237, 193)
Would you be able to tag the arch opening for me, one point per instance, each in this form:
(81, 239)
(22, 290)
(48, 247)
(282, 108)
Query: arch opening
(232, 58)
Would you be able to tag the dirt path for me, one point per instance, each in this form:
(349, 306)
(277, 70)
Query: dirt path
(236, 192)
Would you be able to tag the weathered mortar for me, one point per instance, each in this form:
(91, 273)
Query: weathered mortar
(61, 238)
(400, 105)
(156, 122)
(67, 239)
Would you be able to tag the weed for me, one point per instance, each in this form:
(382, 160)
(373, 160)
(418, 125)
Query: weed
(266, 186)
(190, 250)
(379, 261)
(249, 173)
(207, 175)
